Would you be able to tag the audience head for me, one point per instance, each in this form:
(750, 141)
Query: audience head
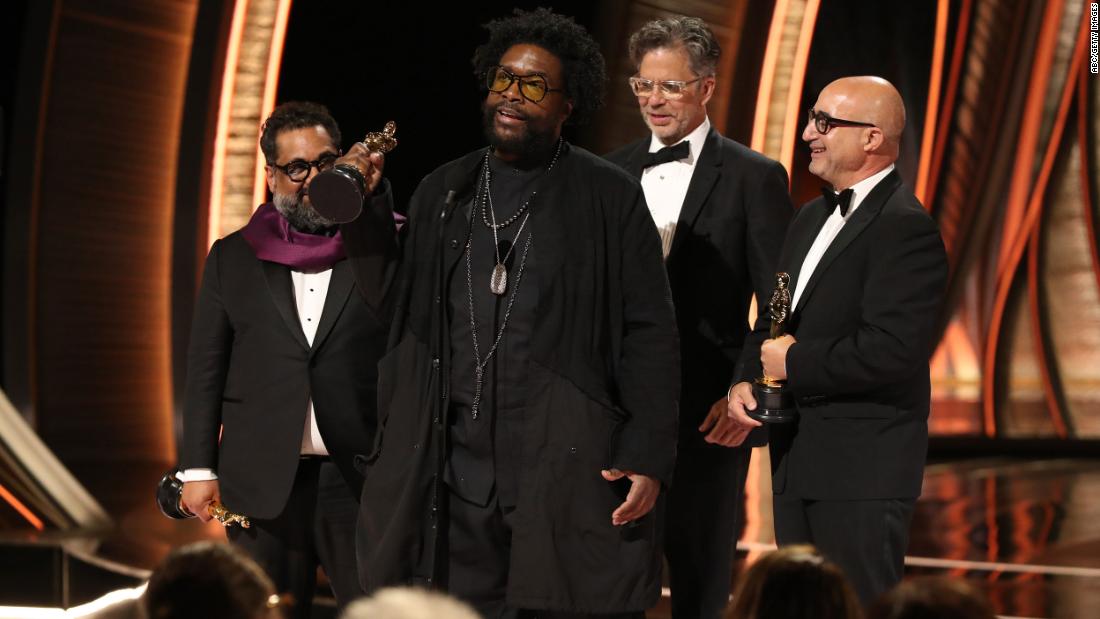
(792, 583)
(931, 597)
(211, 580)
(408, 603)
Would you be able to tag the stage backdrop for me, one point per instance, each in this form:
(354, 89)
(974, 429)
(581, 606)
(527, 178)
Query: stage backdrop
(135, 126)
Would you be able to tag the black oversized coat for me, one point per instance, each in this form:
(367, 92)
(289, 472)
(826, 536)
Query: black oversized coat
(602, 392)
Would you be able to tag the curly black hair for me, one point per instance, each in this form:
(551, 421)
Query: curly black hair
(582, 62)
(295, 115)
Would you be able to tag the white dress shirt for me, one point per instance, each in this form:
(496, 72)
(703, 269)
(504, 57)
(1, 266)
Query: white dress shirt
(666, 185)
(310, 290)
(832, 228)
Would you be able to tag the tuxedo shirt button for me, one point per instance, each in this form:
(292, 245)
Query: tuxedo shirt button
(454, 243)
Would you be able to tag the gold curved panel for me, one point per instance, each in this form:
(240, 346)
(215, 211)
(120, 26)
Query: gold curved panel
(253, 56)
(778, 113)
(1072, 300)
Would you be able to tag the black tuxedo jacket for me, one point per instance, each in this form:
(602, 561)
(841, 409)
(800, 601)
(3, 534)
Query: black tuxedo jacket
(865, 327)
(725, 248)
(251, 371)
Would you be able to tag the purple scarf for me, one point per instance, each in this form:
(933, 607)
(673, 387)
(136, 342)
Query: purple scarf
(272, 238)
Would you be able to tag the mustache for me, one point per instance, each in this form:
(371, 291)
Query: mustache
(512, 109)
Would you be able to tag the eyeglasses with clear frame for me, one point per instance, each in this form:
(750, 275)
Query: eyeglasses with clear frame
(533, 87)
(670, 89)
(298, 170)
(824, 123)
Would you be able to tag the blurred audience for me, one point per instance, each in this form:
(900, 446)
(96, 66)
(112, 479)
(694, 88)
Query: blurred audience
(792, 583)
(211, 580)
(931, 597)
(408, 603)
(206, 579)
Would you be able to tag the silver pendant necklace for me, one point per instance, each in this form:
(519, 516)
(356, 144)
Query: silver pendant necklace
(479, 362)
(498, 281)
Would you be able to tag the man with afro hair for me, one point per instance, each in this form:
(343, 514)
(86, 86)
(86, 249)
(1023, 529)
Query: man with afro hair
(528, 401)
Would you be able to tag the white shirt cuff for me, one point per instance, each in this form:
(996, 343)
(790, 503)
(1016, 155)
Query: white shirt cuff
(196, 475)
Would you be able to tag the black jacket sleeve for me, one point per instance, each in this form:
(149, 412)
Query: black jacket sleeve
(649, 368)
(371, 246)
(207, 366)
(768, 210)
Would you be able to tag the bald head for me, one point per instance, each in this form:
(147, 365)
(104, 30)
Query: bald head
(846, 154)
(871, 99)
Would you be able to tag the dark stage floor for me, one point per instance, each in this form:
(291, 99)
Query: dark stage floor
(1026, 532)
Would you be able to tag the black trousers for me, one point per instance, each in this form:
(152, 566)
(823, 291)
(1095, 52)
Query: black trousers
(317, 527)
(704, 515)
(478, 545)
(866, 539)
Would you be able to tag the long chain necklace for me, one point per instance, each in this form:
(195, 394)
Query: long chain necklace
(498, 280)
(479, 362)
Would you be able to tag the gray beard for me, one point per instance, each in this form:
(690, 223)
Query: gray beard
(302, 217)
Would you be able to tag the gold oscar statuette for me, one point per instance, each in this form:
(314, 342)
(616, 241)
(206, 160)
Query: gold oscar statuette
(338, 193)
(169, 496)
(774, 404)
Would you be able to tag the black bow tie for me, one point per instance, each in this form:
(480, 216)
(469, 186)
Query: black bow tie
(667, 154)
(834, 199)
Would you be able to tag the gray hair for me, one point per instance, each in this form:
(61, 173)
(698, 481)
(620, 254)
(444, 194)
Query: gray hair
(408, 603)
(690, 32)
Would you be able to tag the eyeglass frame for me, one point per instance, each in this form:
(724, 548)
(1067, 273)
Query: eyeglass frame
(816, 116)
(490, 74)
(316, 163)
(663, 85)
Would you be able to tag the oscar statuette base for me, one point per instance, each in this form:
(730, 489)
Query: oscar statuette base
(774, 404)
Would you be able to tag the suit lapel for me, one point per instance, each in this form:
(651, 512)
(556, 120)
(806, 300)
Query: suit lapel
(794, 252)
(706, 173)
(637, 158)
(863, 216)
(339, 289)
(282, 293)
